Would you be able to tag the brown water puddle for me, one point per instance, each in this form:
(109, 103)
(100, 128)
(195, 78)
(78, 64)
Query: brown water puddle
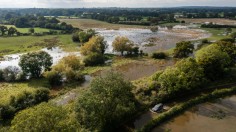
(139, 69)
(219, 116)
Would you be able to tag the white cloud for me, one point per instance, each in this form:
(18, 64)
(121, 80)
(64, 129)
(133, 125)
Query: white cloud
(112, 3)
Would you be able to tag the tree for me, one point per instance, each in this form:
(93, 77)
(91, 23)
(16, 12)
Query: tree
(186, 75)
(75, 37)
(84, 36)
(11, 73)
(229, 48)
(213, 61)
(3, 30)
(31, 30)
(95, 45)
(54, 78)
(233, 35)
(94, 59)
(12, 31)
(183, 49)
(107, 103)
(33, 64)
(154, 29)
(68, 69)
(228, 30)
(121, 44)
(44, 117)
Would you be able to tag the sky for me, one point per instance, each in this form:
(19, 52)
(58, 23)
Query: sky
(111, 3)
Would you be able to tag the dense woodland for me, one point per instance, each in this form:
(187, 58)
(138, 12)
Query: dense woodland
(131, 16)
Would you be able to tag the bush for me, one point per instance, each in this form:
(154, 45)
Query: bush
(10, 73)
(231, 40)
(94, 59)
(160, 55)
(75, 37)
(44, 117)
(54, 78)
(22, 101)
(1, 75)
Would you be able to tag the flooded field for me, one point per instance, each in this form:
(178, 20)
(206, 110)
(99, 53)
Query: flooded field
(136, 70)
(164, 39)
(218, 116)
(56, 53)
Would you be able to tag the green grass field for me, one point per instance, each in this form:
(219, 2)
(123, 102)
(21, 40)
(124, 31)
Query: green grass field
(26, 30)
(217, 34)
(12, 45)
(89, 23)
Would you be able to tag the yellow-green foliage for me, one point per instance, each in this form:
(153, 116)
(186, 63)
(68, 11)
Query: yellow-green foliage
(8, 90)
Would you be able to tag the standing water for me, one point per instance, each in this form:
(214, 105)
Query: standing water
(56, 53)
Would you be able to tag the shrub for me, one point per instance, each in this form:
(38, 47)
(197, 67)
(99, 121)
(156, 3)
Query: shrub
(54, 78)
(94, 59)
(183, 49)
(205, 41)
(160, 55)
(231, 40)
(75, 37)
(1, 75)
(44, 117)
(10, 73)
(22, 101)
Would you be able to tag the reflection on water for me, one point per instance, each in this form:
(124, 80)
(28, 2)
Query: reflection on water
(137, 70)
(165, 39)
(219, 116)
(56, 53)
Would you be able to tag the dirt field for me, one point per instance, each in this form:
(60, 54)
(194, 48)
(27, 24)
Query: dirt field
(89, 23)
(214, 20)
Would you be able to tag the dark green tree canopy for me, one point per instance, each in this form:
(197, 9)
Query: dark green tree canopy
(186, 75)
(33, 64)
(107, 103)
(213, 60)
(183, 49)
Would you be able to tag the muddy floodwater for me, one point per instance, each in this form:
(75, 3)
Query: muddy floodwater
(56, 53)
(218, 116)
(136, 70)
(149, 41)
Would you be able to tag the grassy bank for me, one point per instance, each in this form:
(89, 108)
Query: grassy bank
(180, 108)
